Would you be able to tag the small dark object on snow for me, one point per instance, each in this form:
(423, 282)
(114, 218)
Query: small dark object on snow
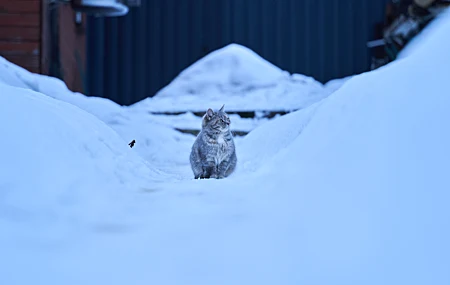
(131, 144)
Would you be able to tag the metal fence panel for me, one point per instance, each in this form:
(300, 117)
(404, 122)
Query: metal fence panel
(132, 57)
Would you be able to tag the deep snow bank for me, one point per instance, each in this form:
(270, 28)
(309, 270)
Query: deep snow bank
(365, 185)
(239, 78)
(16, 76)
(352, 190)
(356, 194)
(156, 140)
(261, 145)
(57, 158)
(333, 85)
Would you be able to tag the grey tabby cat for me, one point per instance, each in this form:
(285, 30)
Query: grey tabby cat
(213, 154)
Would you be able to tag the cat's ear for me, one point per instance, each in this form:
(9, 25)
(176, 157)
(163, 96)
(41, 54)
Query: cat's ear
(209, 113)
(221, 109)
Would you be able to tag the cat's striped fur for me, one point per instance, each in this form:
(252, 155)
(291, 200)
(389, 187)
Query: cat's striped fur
(213, 154)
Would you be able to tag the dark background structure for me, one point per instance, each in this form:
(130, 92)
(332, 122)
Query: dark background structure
(132, 57)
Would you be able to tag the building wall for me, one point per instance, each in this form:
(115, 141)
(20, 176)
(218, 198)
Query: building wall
(43, 37)
(72, 48)
(130, 58)
(20, 32)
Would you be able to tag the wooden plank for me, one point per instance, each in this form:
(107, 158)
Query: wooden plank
(16, 20)
(242, 114)
(19, 47)
(19, 33)
(196, 132)
(19, 7)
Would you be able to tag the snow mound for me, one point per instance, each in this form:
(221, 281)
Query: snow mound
(333, 85)
(351, 190)
(271, 138)
(16, 76)
(232, 69)
(156, 140)
(239, 78)
(364, 187)
(57, 159)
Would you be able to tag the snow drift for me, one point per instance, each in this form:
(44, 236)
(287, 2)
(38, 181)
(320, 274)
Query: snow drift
(17, 76)
(350, 190)
(156, 140)
(239, 78)
(355, 192)
(363, 189)
(53, 154)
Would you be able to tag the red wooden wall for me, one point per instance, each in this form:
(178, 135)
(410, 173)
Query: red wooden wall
(72, 41)
(28, 40)
(20, 32)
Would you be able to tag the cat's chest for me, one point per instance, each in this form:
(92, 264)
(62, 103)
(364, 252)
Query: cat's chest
(221, 140)
(220, 148)
(218, 142)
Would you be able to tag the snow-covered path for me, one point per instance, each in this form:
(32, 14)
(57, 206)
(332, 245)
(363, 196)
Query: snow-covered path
(352, 189)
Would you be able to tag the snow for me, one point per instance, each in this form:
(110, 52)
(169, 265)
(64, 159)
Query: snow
(333, 85)
(154, 141)
(351, 189)
(18, 77)
(240, 79)
(61, 151)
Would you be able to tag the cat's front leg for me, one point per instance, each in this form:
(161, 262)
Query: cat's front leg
(209, 170)
(214, 173)
(222, 169)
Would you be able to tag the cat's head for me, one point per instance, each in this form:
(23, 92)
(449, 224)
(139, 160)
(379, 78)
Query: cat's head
(217, 121)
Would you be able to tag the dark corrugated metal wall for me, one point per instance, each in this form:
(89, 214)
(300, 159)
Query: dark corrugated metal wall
(132, 57)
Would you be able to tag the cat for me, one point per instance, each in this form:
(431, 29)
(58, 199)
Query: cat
(213, 154)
